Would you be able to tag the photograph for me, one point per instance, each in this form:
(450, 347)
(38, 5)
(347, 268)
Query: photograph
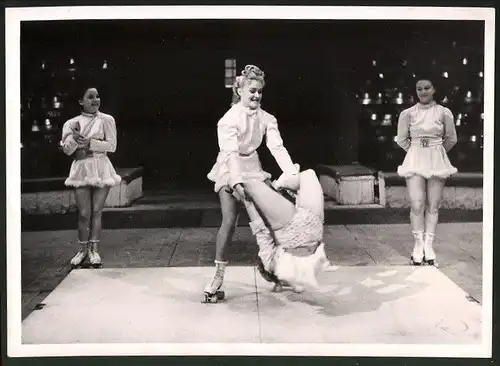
(249, 180)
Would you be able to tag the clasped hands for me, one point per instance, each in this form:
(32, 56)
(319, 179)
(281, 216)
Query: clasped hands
(83, 143)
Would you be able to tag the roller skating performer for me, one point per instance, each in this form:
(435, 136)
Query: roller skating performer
(426, 132)
(88, 138)
(240, 133)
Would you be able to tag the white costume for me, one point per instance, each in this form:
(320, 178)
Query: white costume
(426, 133)
(95, 169)
(240, 133)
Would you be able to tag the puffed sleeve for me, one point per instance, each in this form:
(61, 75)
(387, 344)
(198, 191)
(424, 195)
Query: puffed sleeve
(450, 132)
(227, 134)
(68, 143)
(109, 143)
(275, 145)
(403, 137)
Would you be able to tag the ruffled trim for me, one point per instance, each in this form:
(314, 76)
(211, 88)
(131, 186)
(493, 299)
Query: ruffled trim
(426, 162)
(443, 174)
(95, 171)
(301, 270)
(221, 176)
(94, 182)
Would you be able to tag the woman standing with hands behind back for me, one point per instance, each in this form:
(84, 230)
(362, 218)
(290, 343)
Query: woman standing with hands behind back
(88, 138)
(426, 131)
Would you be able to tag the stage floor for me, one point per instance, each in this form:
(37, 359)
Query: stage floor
(372, 304)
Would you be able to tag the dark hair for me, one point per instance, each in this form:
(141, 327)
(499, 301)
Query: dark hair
(77, 90)
(434, 79)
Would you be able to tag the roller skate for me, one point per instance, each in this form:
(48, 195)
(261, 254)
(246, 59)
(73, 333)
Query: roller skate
(80, 257)
(429, 254)
(418, 249)
(212, 291)
(94, 257)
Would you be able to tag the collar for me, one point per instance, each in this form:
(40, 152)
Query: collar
(85, 114)
(248, 111)
(426, 106)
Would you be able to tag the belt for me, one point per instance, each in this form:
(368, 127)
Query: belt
(426, 141)
(81, 154)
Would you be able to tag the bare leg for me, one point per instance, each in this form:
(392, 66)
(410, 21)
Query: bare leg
(434, 195)
(310, 193)
(272, 206)
(416, 192)
(226, 231)
(99, 196)
(83, 198)
(265, 240)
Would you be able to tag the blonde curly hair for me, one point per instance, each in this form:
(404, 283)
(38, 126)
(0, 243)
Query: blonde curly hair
(249, 73)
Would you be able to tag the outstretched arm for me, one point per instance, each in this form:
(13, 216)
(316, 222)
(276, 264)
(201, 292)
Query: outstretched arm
(275, 145)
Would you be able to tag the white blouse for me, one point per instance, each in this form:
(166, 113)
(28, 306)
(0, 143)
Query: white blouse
(100, 128)
(241, 131)
(432, 120)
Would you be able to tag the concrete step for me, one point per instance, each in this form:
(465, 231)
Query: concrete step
(196, 214)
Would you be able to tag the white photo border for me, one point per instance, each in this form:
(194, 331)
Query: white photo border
(13, 19)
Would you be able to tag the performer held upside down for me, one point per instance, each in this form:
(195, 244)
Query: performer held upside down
(290, 236)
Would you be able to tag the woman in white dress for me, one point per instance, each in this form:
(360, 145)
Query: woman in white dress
(289, 234)
(426, 131)
(240, 133)
(88, 138)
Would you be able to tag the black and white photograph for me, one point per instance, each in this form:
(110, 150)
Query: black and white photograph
(250, 180)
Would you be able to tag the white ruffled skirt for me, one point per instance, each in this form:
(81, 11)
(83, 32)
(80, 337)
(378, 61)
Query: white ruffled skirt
(95, 171)
(431, 161)
(300, 271)
(250, 167)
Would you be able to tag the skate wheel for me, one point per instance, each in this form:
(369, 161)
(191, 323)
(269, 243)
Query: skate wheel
(220, 295)
(212, 298)
(96, 266)
(431, 262)
(413, 263)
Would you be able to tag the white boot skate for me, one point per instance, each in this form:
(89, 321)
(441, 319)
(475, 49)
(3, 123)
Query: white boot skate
(417, 256)
(94, 257)
(212, 291)
(429, 254)
(82, 254)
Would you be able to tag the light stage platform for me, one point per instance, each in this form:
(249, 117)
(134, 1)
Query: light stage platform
(386, 305)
